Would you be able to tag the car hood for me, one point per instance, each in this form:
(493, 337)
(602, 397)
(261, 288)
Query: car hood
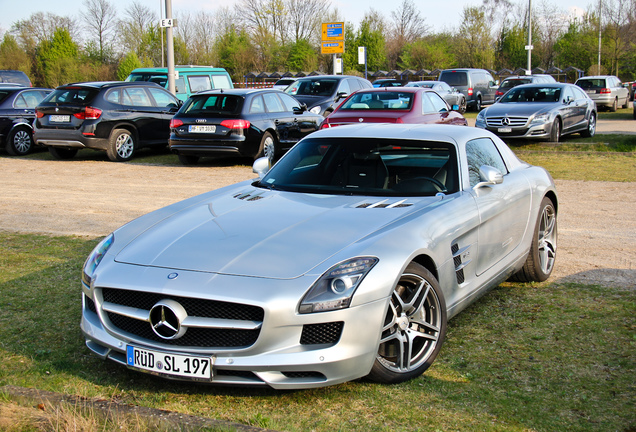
(519, 108)
(253, 232)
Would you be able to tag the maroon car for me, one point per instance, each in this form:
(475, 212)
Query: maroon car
(394, 105)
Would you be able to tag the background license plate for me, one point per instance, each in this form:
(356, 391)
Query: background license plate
(202, 128)
(169, 364)
(504, 130)
(60, 118)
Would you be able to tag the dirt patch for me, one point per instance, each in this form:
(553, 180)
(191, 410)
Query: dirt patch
(597, 220)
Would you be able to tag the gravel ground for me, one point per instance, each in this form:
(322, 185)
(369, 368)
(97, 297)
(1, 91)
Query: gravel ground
(597, 220)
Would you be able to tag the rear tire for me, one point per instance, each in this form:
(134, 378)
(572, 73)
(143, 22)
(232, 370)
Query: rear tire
(478, 104)
(614, 106)
(19, 141)
(626, 104)
(540, 260)
(268, 148)
(60, 153)
(121, 145)
(413, 329)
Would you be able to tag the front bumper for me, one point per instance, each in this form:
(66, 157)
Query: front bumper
(278, 357)
(531, 131)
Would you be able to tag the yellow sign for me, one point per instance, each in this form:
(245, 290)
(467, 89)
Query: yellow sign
(336, 47)
(333, 31)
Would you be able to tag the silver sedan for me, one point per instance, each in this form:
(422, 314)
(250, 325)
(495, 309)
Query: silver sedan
(451, 95)
(540, 111)
(346, 259)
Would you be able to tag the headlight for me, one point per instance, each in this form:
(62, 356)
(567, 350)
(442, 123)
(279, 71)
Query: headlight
(335, 288)
(481, 117)
(95, 258)
(541, 118)
(315, 110)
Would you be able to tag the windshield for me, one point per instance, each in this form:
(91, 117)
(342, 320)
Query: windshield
(369, 166)
(160, 79)
(508, 84)
(318, 87)
(385, 100)
(532, 94)
(454, 79)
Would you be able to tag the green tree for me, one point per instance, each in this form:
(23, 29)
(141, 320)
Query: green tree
(510, 51)
(431, 52)
(58, 59)
(235, 52)
(474, 47)
(302, 57)
(375, 44)
(12, 56)
(127, 65)
(579, 45)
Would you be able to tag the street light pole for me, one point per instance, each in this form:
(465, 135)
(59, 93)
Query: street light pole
(598, 72)
(170, 45)
(529, 47)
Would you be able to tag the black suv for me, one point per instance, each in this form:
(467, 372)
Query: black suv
(17, 111)
(117, 117)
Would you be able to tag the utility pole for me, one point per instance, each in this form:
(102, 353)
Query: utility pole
(598, 72)
(529, 46)
(170, 45)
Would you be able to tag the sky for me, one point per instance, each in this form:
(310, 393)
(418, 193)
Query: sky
(439, 14)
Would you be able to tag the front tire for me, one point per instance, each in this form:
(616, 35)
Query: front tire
(540, 261)
(462, 106)
(121, 145)
(478, 104)
(19, 142)
(555, 131)
(62, 153)
(413, 330)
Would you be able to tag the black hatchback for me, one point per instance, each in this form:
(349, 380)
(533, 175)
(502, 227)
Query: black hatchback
(243, 122)
(17, 111)
(116, 117)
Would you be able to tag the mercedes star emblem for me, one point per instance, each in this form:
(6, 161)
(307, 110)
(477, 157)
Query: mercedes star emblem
(505, 121)
(165, 319)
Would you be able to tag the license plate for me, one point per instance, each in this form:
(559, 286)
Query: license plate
(590, 91)
(202, 128)
(60, 118)
(169, 364)
(504, 130)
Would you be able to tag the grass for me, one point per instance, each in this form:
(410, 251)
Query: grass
(538, 357)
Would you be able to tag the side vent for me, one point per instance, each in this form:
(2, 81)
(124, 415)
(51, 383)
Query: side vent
(250, 196)
(461, 258)
(384, 204)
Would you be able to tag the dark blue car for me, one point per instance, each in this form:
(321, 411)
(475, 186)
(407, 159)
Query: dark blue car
(17, 111)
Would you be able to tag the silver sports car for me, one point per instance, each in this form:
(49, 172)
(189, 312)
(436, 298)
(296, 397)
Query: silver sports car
(345, 260)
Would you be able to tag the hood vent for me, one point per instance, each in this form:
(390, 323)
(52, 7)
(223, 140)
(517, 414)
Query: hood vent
(384, 204)
(254, 195)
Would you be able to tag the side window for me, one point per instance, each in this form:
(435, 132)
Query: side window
(578, 93)
(162, 99)
(32, 98)
(438, 103)
(221, 82)
(199, 83)
(113, 96)
(354, 85)
(136, 96)
(272, 103)
(482, 151)
(179, 85)
(427, 105)
(19, 102)
(290, 103)
(567, 93)
(257, 106)
(344, 87)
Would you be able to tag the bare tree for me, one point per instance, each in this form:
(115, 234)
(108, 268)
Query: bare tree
(616, 17)
(138, 20)
(408, 25)
(41, 26)
(552, 22)
(305, 17)
(100, 19)
(265, 19)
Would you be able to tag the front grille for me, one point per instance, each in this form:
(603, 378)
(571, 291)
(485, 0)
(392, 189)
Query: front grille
(513, 121)
(211, 337)
(327, 333)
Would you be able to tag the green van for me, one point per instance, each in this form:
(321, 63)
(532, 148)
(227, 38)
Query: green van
(189, 80)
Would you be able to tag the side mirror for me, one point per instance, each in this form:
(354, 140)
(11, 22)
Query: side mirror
(301, 109)
(341, 95)
(261, 167)
(489, 176)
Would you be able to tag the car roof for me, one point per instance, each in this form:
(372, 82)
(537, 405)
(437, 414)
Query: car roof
(420, 132)
(547, 84)
(597, 77)
(237, 91)
(393, 89)
(338, 77)
(108, 84)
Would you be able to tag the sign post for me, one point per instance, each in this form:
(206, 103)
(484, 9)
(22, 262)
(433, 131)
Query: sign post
(333, 41)
(362, 59)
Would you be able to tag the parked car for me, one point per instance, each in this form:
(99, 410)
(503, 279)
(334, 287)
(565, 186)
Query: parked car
(477, 85)
(387, 83)
(540, 111)
(15, 76)
(451, 95)
(246, 122)
(514, 81)
(322, 93)
(345, 260)
(190, 79)
(606, 90)
(17, 111)
(283, 83)
(394, 105)
(116, 117)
